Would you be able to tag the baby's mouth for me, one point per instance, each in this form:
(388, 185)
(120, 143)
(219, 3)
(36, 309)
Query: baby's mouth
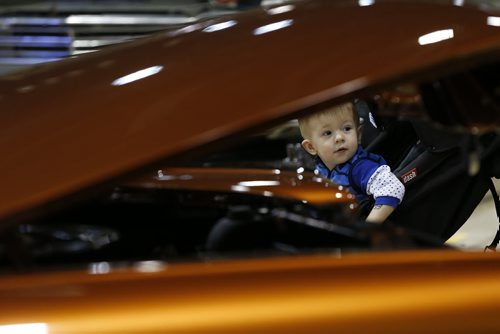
(340, 150)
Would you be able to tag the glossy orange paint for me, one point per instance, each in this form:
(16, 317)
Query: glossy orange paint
(407, 292)
(66, 127)
(301, 186)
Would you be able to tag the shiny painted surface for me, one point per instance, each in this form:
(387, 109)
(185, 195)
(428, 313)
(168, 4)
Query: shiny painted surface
(66, 126)
(409, 292)
(300, 185)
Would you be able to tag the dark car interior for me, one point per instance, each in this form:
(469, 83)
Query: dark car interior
(171, 225)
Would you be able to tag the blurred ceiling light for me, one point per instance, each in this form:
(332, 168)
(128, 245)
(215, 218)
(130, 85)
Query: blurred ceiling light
(363, 3)
(34, 328)
(436, 36)
(128, 19)
(137, 75)
(280, 9)
(31, 21)
(220, 26)
(259, 183)
(493, 21)
(88, 43)
(272, 27)
(458, 2)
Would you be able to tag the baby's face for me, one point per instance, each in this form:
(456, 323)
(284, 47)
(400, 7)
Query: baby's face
(334, 137)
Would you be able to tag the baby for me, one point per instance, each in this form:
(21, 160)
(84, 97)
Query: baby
(333, 136)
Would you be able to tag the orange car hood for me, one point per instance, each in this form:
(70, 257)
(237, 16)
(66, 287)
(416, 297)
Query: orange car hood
(80, 122)
(405, 292)
(299, 185)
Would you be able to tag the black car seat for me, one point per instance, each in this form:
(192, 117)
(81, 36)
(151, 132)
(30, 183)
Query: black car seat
(441, 171)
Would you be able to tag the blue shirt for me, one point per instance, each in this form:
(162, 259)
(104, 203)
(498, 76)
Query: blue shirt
(355, 174)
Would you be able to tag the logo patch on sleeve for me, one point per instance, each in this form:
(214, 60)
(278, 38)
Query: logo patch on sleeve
(410, 175)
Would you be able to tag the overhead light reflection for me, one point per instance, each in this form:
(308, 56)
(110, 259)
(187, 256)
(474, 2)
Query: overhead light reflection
(220, 26)
(239, 188)
(34, 328)
(273, 27)
(166, 177)
(185, 30)
(436, 36)
(99, 268)
(280, 9)
(25, 89)
(493, 21)
(363, 3)
(150, 266)
(259, 183)
(458, 2)
(137, 75)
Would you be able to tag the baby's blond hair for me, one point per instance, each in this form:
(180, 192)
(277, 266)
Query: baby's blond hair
(340, 108)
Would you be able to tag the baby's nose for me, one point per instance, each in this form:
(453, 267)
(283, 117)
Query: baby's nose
(339, 138)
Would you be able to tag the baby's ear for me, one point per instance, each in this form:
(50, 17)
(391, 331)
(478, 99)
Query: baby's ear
(360, 133)
(309, 147)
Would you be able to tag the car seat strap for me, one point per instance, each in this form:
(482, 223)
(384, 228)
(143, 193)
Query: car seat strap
(493, 246)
